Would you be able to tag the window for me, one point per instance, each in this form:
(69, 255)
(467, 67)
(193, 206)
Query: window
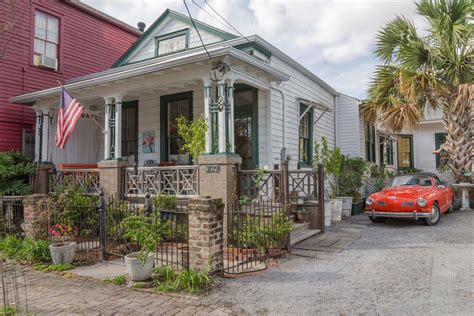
(28, 143)
(440, 139)
(46, 39)
(171, 43)
(370, 142)
(306, 136)
(389, 151)
(386, 150)
(405, 152)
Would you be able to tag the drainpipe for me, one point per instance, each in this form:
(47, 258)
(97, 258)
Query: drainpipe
(336, 142)
(283, 153)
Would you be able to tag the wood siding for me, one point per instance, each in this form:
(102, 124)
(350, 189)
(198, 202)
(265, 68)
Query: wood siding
(87, 44)
(348, 125)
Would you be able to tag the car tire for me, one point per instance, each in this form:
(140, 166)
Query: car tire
(451, 207)
(436, 216)
(378, 220)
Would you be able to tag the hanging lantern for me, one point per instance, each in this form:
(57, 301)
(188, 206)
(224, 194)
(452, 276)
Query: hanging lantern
(218, 70)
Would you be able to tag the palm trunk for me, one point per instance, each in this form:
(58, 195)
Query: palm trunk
(457, 122)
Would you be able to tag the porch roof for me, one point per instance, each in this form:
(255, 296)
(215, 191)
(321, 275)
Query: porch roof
(147, 67)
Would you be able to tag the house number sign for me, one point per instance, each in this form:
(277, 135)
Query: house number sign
(213, 169)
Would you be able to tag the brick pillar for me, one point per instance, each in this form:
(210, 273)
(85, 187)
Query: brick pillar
(35, 222)
(218, 178)
(111, 177)
(40, 180)
(206, 244)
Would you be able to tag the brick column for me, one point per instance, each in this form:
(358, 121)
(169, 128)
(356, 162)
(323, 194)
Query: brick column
(111, 177)
(35, 222)
(206, 243)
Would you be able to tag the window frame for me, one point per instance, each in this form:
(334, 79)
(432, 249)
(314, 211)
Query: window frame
(412, 165)
(23, 142)
(370, 143)
(309, 145)
(171, 35)
(47, 13)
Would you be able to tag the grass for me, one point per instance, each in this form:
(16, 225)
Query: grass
(118, 280)
(24, 249)
(53, 267)
(8, 311)
(189, 281)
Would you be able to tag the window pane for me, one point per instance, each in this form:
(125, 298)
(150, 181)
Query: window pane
(171, 45)
(52, 37)
(51, 50)
(52, 25)
(40, 20)
(40, 33)
(39, 46)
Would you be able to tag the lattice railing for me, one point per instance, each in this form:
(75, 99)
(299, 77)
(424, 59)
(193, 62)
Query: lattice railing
(259, 184)
(175, 180)
(87, 179)
(302, 184)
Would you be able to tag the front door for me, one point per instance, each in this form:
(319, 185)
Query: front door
(130, 131)
(246, 125)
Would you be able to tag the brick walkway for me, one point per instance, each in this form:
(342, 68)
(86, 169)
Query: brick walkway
(50, 294)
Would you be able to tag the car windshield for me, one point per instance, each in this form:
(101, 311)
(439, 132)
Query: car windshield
(410, 180)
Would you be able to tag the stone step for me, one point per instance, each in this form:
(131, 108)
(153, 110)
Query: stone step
(302, 235)
(300, 227)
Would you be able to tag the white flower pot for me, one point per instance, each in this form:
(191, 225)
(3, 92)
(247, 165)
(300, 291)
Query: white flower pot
(346, 205)
(62, 252)
(327, 212)
(136, 270)
(336, 215)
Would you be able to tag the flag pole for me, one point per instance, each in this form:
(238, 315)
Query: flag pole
(87, 112)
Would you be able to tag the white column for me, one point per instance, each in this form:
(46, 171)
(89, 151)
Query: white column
(118, 127)
(207, 114)
(230, 99)
(45, 138)
(221, 117)
(108, 101)
(38, 135)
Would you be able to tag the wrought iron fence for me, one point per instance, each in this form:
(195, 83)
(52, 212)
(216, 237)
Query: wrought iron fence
(11, 214)
(87, 179)
(176, 180)
(256, 232)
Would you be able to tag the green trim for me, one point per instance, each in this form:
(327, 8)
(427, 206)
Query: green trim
(412, 164)
(164, 118)
(440, 138)
(254, 45)
(130, 104)
(177, 16)
(179, 33)
(253, 108)
(309, 149)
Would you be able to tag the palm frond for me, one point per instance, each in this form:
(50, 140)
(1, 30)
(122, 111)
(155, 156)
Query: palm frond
(400, 117)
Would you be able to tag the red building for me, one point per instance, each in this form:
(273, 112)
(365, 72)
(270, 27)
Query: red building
(42, 41)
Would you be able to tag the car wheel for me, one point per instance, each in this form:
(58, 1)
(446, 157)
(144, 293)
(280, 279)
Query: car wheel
(451, 207)
(378, 219)
(435, 217)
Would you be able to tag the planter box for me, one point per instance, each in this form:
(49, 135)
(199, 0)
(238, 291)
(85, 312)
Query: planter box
(358, 208)
(346, 205)
(336, 215)
(136, 270)
(327, 213)
(63, 252)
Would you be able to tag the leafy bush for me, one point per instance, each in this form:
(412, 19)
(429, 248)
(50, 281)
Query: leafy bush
(26, 250)
(353, 176)
(193, 134)
(14, 171)
(164, 201)
(331, 158)
(190, 281)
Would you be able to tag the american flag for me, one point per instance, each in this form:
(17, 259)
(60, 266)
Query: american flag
(70, 111)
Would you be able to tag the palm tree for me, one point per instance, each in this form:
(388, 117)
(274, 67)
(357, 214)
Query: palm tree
(432, 70)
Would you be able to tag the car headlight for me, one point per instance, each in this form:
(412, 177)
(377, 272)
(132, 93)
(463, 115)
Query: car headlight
(421, 202)
(369, 201)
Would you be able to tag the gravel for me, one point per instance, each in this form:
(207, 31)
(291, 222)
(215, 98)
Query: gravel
(399, 267)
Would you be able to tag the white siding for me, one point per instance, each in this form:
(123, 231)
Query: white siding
(299, 86)
(348, 124)
(147, 49)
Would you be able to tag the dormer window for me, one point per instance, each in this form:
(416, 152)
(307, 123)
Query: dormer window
(172, 42)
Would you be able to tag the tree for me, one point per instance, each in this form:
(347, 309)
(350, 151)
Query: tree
(434, 70)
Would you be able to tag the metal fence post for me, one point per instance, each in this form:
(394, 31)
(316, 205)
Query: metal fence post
(148, 204)
(102, 227)
(321, 197)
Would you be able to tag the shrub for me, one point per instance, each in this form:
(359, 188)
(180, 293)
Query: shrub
(353, 176)
(164, 201)
(26, 250)
(193, 134)
(14, 171)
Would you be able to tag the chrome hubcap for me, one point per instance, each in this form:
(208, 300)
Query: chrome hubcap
(434, 214)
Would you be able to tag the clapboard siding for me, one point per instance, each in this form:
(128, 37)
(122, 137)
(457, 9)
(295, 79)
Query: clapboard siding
(348, 134)
(88, 43)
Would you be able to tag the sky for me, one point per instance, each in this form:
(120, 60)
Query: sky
(332, 38)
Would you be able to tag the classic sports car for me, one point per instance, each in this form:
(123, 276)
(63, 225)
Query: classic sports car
(416, 196)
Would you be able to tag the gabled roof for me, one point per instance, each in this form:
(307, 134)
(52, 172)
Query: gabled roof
(177, 16)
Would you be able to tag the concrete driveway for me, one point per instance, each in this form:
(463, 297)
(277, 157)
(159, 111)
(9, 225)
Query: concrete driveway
(399, 267)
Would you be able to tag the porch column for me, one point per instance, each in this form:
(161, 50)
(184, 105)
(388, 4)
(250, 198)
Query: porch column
(118, 127)
(108, 102)
(230, 121)
(207, 114)
(221, 105)
(38, 136)
(45, 137)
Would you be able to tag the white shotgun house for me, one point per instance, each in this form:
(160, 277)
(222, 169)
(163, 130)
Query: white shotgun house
(261, 104)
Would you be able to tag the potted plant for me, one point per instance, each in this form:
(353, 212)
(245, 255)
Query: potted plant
(352, 177)
(331, 158)
(194, 135)
(62, 251)
(146, 232)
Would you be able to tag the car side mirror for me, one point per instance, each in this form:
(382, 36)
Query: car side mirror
(441, 186)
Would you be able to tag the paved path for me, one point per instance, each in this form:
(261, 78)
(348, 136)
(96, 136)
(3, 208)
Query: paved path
(396, 268)
(50, 294)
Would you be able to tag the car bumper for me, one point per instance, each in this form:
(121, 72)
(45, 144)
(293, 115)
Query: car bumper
(413, 215)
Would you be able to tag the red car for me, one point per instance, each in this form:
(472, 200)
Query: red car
(415, 196)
